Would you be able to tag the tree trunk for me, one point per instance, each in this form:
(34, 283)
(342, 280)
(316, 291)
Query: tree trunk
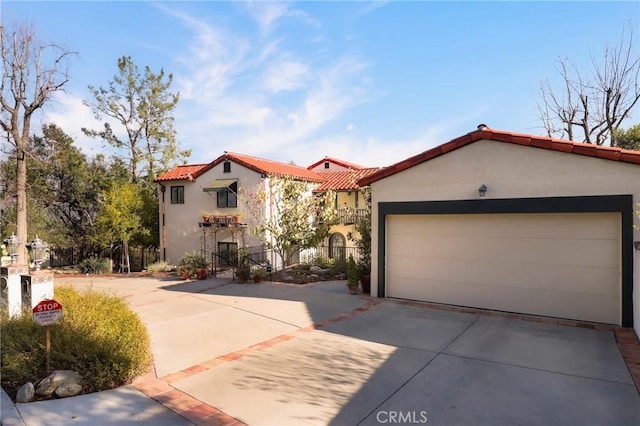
(21, 206)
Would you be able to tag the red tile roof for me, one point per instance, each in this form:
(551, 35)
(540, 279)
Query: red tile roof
(605, 152)
(336, 161)
(343, 180)
(270, 167)
(184, 172)
(260, 165)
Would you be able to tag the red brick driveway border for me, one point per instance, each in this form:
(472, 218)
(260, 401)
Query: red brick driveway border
(201, 414)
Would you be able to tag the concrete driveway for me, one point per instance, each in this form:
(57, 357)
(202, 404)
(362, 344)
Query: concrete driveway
(277, 354)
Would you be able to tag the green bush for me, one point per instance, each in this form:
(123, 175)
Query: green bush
(339, 266)
(194, 259)
(94, 265)
(160, 267)
(353, 274)
(98, 336)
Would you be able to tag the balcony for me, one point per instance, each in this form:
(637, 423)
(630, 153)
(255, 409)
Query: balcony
(220, 220)
(349, 216)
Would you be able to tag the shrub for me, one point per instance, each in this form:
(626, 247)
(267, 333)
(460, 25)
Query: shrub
(353, 274)
(94, 265)
(160, 267)
(98, 336)
(194, 259)
(339, 266)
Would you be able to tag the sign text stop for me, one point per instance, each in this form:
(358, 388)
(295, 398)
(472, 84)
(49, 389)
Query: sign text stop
(47, 312)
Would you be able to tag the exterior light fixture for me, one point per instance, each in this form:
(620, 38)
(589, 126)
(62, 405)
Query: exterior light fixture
(13, 245)
(482, 191)
(37, 250)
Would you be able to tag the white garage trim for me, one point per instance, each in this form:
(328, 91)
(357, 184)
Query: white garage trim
(602, 265)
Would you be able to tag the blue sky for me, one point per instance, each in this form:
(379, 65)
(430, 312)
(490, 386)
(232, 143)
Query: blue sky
(367, 82)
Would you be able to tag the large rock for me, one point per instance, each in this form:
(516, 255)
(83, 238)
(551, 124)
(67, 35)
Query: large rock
(315, 269)
(26, 392)
(68, 389)
(47, 386)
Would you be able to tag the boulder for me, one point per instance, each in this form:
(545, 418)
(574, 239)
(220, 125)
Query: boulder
(47, 386)
(68, 389)
(315, 269)
(26, 392)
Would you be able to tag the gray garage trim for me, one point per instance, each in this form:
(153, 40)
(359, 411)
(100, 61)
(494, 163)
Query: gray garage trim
(622, 204)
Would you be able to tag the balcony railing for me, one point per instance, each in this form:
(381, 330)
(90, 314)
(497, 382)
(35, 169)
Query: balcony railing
(351, 216)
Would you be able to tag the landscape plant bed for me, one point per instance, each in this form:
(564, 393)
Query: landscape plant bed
(302, 274)
(98, 336)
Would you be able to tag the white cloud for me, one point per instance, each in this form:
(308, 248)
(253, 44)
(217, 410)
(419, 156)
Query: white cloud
(254, 95)
(287, 75)
(268, 14)
(70, 114)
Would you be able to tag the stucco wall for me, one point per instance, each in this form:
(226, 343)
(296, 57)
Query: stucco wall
(182, 232)
(509, 171)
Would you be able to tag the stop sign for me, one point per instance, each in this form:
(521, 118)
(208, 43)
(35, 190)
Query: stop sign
(47, 312)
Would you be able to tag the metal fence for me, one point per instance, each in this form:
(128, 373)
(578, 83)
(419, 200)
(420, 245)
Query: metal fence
(139, 258)
(313, 255)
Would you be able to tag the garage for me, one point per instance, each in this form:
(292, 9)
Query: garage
(560, 265)
(511, 222)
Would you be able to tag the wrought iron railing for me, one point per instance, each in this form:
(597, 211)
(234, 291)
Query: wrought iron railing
(312, 255)
(351, 216)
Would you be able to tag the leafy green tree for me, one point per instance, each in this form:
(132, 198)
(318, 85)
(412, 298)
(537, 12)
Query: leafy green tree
(143, 105)
(149, 232)
(61, 197)
(119, 220)
(32, 73)
(298, 219)
(628, 139)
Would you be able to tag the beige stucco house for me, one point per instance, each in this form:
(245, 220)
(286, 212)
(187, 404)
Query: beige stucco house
(199, 204)
(219, 189)
(511, 222)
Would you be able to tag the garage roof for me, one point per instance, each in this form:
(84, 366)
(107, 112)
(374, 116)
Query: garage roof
(485, 133)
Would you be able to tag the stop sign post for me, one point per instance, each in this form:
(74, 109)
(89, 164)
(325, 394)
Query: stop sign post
(45, 313)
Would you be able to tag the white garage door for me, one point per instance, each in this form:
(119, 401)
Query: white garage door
(559, 265)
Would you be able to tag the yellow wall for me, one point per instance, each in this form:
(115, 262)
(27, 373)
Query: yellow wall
(349, 197)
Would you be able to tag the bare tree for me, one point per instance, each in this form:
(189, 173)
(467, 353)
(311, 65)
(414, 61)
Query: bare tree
(593, 108)
(31, 73)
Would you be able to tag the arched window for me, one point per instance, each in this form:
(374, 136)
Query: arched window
(337, 244)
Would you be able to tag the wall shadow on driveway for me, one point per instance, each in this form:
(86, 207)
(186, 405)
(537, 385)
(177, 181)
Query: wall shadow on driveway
(366, 362)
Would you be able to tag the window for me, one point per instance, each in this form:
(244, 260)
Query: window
(326, 164)
(228, 196)
(226, 167)
(337, 245)
(177, 195)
